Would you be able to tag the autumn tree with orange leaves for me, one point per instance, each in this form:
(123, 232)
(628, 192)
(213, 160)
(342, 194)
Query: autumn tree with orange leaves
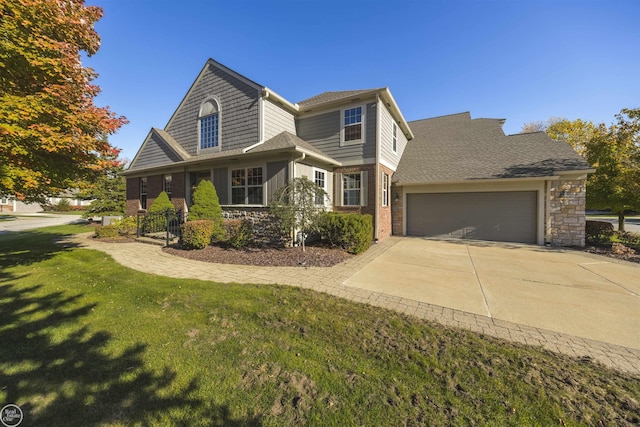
(52, 136)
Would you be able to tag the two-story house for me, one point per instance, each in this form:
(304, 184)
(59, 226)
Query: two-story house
(427, 178)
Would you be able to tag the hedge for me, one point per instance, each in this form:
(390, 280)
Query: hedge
(598, 232)
(351, 231)
(197, 234)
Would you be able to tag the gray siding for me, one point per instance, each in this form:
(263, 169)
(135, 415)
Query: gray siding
(323, 132)
(277, 177)
(277, 120)
(239, 116)
(154, 152)
(387, 155)
(221, 182)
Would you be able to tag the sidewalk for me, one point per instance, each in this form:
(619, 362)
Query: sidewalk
(151, 259)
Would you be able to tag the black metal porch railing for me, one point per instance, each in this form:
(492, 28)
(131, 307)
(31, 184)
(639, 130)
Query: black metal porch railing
(165, 224)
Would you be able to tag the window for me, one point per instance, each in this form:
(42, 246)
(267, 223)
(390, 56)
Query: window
(395, 137)
(246, 186)
(352, 120)
(167, 185)
(143, 192)
(351, 185)
(385, 189)
(209, 124)
(320, 182)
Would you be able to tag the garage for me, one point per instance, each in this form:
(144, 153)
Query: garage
(507, 216)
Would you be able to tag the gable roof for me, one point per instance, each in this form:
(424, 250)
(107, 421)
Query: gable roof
(330, 97)
(334, 99)
(283, 142)
(456, 148)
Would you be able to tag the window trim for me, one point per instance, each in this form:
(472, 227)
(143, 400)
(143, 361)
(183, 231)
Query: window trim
(343, 188)
(143, 194)
(201, 116)
(394, 137)
(166, 187)
(385, 189)
(324, 187)
(363, 128)
(246, 185)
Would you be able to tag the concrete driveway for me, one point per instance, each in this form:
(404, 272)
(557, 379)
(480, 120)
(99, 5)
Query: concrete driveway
(555, 289)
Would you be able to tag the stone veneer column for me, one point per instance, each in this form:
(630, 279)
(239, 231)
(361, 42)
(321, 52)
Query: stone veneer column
(567, 212)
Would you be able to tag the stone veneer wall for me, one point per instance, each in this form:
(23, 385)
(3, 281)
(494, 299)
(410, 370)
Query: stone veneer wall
(266, 227)
(567, 212)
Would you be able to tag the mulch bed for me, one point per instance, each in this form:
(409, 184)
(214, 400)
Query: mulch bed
(629, 255)
(314, 256)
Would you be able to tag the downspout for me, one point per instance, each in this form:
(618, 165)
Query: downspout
(293, 165)
(376, 228)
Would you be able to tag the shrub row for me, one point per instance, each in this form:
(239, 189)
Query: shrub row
(352, 232)
(124, 227)
(197, 234)
(630, 239)
(200, 233)
(598, 232)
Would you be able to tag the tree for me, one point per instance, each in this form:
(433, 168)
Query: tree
(296, 206)
(615, 153)
(110, 190)
(52, 136)
(576, 133)
(206, 204)
(161, 204)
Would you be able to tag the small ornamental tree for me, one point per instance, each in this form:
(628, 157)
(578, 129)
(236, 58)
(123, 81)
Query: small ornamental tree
(206, 205)
(295, 205)
(161, 204)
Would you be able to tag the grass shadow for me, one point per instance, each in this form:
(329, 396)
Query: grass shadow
(61, 371)
(58, 370)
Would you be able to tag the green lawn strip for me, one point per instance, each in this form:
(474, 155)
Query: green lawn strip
(86, 341)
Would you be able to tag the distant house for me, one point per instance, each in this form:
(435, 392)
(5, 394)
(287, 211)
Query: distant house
(12, 204)
(450, 176)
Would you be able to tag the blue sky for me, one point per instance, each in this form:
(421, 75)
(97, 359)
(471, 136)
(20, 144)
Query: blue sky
(521, 60)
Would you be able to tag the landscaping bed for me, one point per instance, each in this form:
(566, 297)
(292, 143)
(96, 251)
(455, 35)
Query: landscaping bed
(313, 256)
(617, 251)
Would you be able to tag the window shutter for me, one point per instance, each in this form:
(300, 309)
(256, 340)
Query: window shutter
(364, 188)
(337, 189)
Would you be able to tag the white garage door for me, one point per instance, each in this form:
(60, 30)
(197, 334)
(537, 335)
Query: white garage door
(499, 216)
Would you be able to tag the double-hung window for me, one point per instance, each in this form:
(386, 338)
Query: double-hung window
(246, 186)
(209, 125)
(351, 188)
(395, 137)
(143, 192)
(320, 180)
(385, 189)
(352, 125)
(166, 187)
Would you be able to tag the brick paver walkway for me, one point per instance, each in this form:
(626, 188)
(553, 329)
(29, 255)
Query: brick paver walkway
(151, 259)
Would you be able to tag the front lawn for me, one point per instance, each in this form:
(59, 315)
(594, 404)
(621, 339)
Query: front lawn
(85, 341)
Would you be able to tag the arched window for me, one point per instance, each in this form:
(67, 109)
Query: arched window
(209, 124)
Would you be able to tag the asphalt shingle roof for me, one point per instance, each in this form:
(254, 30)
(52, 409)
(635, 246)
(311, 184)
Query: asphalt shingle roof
(456, 148)
(326, 97)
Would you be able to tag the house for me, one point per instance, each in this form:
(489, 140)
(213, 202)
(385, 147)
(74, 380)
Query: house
(13, 204)
(451, 176)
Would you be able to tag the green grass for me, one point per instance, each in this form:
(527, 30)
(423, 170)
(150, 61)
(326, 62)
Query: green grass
(85, 341)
